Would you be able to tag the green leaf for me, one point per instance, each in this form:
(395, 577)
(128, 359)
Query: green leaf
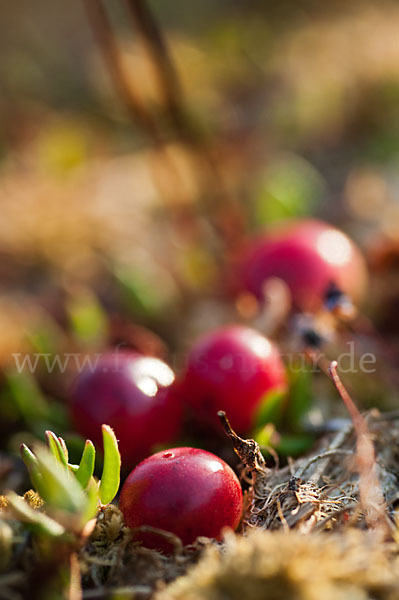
(110, 479)
(59, 487)
(73, 468)
(271, 408)
(32, 465)
(28, 457)
(64, 448)
(301, 398)
(37, 520)
(86, 466)
(55, 447)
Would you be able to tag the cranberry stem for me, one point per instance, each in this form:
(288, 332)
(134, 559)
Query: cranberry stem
(248, 451)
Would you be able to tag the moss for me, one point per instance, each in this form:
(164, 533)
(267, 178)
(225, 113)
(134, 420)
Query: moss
(3, 502)
(33, 499)
(276, 565)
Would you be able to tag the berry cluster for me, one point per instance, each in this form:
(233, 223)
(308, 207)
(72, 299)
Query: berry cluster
(187, 491)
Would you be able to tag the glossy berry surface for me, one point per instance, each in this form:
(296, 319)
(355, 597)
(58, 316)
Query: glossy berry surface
(132, 394)
(185, 491)
(308, 256)
(232, 369)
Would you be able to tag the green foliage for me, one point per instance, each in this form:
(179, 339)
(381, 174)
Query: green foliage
(55, 447)
(264, 436)
(279, 421)
(36, 520)
(271, 408)
(69, 491)
(301, 397)
(85, 470)
(110, 479)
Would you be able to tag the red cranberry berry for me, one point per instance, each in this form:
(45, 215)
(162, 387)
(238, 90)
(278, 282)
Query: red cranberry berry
(308, 256)
(185, 491)
(132, 394)
(232, 369)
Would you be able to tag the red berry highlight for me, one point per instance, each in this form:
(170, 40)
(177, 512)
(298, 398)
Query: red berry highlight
(185, 491)
(308, 256)
(232, 369)
(133, 394)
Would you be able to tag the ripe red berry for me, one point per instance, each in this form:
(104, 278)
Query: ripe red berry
(185, 491)
(308, 255)
(132, 394)
(232, 369)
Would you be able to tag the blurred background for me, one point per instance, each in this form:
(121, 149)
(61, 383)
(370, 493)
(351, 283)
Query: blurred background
(140, 147)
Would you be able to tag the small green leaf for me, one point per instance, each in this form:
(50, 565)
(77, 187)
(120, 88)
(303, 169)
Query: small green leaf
(58, 487)
(32, 465)
(110, 479)
(271, 408)
(86, 466)
(55, 447)
(37, 520)
(64, 448)
(28, 457)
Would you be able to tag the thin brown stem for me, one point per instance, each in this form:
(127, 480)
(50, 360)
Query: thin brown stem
(105, 39)
(355, 415)
(157, 49)
(371, 497)
(213, 191)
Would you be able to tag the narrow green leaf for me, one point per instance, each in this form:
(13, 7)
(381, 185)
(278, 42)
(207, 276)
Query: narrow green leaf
(59, 488)
(86, 466)
(37, 520)
(28, 457)
(64, 448)
(110, 479)
(32, 465)
(55, 447)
